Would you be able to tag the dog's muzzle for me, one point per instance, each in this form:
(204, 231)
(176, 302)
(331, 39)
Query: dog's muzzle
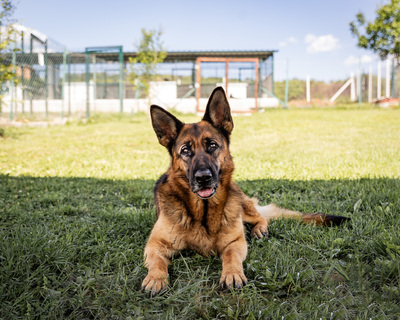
(205, 185)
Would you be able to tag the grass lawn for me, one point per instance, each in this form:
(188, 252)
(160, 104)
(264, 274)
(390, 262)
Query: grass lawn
(76, 208)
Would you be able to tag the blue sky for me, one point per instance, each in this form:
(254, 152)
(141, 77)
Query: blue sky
(313, 35)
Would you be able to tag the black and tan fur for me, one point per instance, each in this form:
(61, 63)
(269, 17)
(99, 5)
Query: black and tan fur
(198, 205)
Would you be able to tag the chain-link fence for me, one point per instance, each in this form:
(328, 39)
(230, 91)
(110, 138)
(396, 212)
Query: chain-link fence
(50, 81)
(36, 87)
(54, 82)
(373, 82)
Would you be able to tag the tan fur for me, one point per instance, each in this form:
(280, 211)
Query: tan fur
(186, 221)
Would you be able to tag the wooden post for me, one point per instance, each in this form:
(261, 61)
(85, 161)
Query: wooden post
(256, 84)
(226, 77)
(197, 84)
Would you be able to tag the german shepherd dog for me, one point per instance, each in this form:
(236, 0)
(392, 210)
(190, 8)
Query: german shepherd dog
(198, 205)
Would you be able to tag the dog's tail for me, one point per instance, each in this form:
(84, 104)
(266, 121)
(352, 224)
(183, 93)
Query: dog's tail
(274, 212)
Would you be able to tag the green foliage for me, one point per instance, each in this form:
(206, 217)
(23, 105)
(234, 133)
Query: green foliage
(6, 38)
(382, 35)
(297, 89)
(150, 52)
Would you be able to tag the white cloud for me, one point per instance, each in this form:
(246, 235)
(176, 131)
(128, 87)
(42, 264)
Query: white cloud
(292, 40)
(322, 43)
(282, 44)
(352, 60)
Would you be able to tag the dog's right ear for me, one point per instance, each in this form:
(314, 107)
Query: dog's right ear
(218, 112)
(165, 125)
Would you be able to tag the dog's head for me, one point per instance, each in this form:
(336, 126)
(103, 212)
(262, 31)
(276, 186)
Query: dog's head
(199, 151)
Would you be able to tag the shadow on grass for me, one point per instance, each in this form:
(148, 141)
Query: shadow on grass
(72, 248)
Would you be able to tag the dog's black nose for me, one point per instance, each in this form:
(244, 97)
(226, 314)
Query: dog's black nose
(203, 176)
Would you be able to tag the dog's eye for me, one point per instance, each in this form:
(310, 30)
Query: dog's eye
(186, 151)
(212, 146)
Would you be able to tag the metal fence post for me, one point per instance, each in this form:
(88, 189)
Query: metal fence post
(121, 78)
(94, 82)
(31, 77)
(69, 85)
(273, 74)
(63, 83)
(46, 78)
(359, 84)
(260, 68)
(287, 82)
(22, 72)
(87, 61)
(13, 82)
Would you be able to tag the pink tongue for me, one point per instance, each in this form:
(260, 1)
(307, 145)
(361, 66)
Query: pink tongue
(205, 193)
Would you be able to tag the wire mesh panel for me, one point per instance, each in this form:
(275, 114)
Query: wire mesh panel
(238, 76)
(182, 74)
(104, 77)
(38, 79)
(40, 72)
(48, 80)
(368, 82)
(242, 78)
(212, 74)
(7, 70)
(75, 88)
(267, 77)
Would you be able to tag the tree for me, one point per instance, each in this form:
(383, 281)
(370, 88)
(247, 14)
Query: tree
(150, 52)
(6, 38)
(382, 35)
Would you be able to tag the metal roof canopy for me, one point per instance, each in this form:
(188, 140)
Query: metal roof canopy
(174, 56)
(193, 55)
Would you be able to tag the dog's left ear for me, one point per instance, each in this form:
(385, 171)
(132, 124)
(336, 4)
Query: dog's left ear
(165, 125)
(218, 112)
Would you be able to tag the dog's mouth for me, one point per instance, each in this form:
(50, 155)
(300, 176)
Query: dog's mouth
(206, 193)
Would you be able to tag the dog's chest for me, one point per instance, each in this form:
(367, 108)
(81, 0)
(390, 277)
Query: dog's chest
(204, 234)
(201, 242)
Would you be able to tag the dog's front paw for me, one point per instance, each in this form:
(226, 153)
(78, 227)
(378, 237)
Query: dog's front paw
(154, 284)
(260, 231)
(233, 280)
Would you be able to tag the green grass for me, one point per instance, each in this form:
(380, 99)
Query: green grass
(76, 208)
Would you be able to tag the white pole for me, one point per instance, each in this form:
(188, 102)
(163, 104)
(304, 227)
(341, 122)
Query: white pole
(337, 94)
(352, 88)
(388, 65)
(379, 84)
(370, 84)
(308, 88)
(358, 81)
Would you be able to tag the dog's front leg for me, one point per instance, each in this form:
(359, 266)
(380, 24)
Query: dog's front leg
(232, 258)
(252, 216)
(158, 254)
